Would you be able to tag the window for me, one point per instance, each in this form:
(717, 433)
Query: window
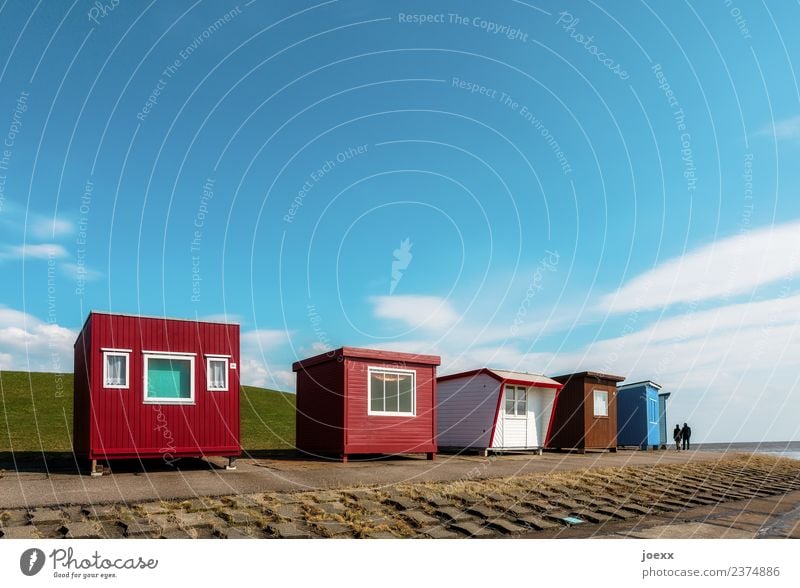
(652, 411)
(169, 378)
(392, 392)
(601, 403)
(516, 401)
(116, 368)
(217, 373)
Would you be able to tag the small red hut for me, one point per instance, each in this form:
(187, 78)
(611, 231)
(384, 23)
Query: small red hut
(155, 388)
(358, 401)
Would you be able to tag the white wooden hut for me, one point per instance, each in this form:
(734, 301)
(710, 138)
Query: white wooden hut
(494, 410)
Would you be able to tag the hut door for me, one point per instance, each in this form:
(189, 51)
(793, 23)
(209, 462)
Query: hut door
(515, 421)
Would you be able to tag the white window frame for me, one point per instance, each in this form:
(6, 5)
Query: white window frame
(517, 389)
(412, 373)
(126, 353)
(595, 392)
(190, 357)
(226, 359)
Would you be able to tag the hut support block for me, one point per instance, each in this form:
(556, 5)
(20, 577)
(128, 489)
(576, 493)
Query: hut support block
(231, 464)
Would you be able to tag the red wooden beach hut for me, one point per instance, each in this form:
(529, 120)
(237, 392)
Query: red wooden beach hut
(585, 415)
(360, 401)
(149, 387)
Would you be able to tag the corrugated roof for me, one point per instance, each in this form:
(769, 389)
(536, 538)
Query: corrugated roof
(525, 377)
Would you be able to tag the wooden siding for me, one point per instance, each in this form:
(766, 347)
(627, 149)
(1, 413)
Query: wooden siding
(320, 408)
(81, 398)
(366, 433)
(124, 426)
(601, 432)
(568, 429)
(574, 424)
(466, 409)
(529, 432)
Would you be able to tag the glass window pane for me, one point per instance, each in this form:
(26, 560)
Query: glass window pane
(168, 378)
(510, 400)
(217, 376)
(406, 393)
(600, 403)
(376, 392)
(522, 402)
(115, 370)
(392, 392)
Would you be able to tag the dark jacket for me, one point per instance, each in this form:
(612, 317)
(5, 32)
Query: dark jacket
(686, 432)
(676, 434)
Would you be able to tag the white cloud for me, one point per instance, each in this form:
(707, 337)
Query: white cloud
(261, 375)
(431, 313)
(728, 267)
(787, 129)
(27, 343)
(80, 272)
(34, 251)
(320, 347)
(264, 339)
(256, 369)
(43, 227)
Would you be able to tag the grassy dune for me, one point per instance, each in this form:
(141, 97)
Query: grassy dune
(36, 414)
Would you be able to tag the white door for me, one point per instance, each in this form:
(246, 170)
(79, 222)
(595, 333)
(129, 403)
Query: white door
(515, 418)
(540, 407)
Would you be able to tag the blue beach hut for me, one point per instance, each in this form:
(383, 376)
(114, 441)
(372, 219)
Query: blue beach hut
(638, 415)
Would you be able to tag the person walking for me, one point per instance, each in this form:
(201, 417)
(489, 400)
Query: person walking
(676, 434)
(686, 434)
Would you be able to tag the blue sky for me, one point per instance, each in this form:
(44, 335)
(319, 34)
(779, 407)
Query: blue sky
(524, 185)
